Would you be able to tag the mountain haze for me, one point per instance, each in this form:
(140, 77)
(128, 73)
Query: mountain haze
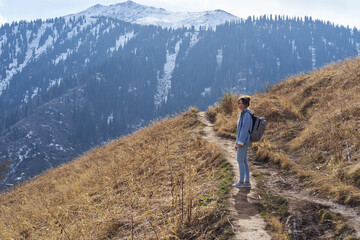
(70, 83)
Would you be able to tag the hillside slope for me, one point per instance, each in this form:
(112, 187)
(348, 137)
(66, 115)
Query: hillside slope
(162, 181)
(309, 116)
(314, 118)
(312, 135)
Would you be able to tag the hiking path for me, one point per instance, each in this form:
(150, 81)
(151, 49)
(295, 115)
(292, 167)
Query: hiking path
(246, 219)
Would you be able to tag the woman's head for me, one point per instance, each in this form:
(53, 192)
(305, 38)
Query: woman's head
(243, 102)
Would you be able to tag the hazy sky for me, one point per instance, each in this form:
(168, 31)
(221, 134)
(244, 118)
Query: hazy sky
(342, 12)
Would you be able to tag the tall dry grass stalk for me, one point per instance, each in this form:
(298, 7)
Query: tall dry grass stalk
(143, 186)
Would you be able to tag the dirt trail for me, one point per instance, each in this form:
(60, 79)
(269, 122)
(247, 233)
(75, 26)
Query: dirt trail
(248, 223)
(281, 184)
(303, 221)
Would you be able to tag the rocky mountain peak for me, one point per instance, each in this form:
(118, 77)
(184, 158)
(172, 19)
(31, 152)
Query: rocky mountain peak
(133, 12)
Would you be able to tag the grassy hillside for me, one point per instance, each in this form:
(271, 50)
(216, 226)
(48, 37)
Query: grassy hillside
(163, 181)
(313, 123)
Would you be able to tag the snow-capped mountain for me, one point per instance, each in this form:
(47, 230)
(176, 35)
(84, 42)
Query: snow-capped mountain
(127, 11)
(146, 15)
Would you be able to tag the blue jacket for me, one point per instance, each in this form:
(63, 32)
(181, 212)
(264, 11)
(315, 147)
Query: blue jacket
(244, 127)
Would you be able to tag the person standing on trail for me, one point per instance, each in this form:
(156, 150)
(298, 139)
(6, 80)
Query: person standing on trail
(242, 143)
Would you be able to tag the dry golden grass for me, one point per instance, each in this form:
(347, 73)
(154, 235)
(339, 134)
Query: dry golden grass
(279, 232)
(313, 122)
(161, 182)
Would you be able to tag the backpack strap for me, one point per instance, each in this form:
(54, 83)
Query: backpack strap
(252, 118)
(252, 125)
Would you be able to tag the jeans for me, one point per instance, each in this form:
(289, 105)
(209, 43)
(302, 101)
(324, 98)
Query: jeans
(244, 168)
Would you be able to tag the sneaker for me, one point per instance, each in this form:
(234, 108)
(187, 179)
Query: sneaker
(239, 185)
(247, 184)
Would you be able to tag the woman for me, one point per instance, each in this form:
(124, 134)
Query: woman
(242, 142)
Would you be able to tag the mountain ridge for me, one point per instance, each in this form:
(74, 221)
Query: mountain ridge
(133, 12)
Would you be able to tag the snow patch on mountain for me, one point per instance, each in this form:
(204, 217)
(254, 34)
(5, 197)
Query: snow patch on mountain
(145, 15)
(58, 147)
(3, 40)
(207, 91)
(55, 82)
(110, 119)
(312, 49)
(29, 135)
(35, 92)
(95, 31)
(194, 39)
(63, 56)
(122, 40)
(77, 29)
(219, 58)
(34, 50)
(35, 44)
(13, 64)
(293, 47)
(26, 97)
(164, 82)
(22, 154)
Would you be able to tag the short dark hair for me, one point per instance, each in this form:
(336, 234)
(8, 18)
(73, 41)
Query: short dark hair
(245, 100)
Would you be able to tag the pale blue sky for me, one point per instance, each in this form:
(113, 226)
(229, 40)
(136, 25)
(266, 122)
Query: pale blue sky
(343, 12)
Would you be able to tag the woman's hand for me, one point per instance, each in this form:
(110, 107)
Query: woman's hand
(238, 146)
